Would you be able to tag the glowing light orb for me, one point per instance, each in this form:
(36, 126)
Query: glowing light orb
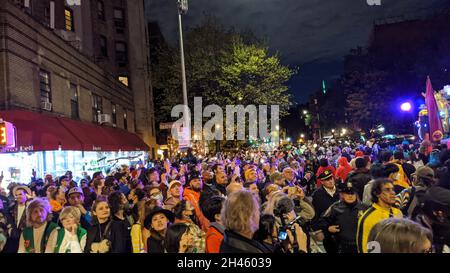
(406, 107)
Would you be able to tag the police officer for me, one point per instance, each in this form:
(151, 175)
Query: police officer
(341, 219)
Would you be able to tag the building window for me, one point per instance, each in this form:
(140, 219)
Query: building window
(26, 5)
(124, 80)
(97, 107)
(152, 126)
(74, 101)
(103, 45)
(69, 19)
(121, 53)
(101, 10)
(114, 114)
(47, 16)
(119, 18)
(44, 86)
(125, 120)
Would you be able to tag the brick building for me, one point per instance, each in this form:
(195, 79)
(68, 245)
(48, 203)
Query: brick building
(83, 65)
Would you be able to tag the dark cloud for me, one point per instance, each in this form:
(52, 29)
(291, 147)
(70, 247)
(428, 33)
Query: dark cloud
(307, 33)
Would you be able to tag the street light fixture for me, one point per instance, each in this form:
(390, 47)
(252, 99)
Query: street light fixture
(182, 9)
(305, 112)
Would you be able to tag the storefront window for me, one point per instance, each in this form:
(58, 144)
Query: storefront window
(18, 167)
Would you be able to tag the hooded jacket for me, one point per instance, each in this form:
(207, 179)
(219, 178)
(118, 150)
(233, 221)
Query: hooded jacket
(344, 169)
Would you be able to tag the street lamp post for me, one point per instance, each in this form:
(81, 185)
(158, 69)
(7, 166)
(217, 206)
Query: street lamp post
(182, 9)
(217, 140)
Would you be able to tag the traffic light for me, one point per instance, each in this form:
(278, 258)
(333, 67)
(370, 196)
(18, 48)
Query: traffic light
(7, 135)
(3, 139)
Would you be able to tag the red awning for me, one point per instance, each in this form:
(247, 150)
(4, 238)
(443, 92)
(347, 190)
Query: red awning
(91, 136)
(39, 132)
(128, 141)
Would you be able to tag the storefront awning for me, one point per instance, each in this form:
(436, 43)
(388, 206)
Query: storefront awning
(92, 137)
(40, 132)
(128, 141)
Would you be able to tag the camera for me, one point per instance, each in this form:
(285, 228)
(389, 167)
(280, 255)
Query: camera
(282, 233)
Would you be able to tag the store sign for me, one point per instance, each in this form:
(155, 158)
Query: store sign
(7, 135)
(184, 137)
(96, 149)
(27, 148)
(166, 126)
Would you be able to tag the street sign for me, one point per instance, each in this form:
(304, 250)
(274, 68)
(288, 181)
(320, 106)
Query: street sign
(184, 137)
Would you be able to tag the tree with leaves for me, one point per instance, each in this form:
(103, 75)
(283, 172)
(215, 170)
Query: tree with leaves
(223, 67)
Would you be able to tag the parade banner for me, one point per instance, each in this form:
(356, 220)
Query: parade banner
(436, 130)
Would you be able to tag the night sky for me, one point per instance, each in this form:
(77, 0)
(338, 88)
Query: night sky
(313, 35)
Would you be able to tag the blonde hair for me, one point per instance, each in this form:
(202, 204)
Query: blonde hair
(240, 212)
(73, 211)
(38, 203)
(399, 236)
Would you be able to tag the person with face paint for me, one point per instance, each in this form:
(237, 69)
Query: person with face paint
(383, 207)
(341, 219)
(35, 236)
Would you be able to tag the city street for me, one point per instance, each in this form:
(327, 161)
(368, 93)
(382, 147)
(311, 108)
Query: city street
(228, 127)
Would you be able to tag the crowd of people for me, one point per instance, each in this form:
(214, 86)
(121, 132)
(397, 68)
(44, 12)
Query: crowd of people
(312, 198)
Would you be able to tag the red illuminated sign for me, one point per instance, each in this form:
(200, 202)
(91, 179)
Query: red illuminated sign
(3, 138)
(7, 134)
